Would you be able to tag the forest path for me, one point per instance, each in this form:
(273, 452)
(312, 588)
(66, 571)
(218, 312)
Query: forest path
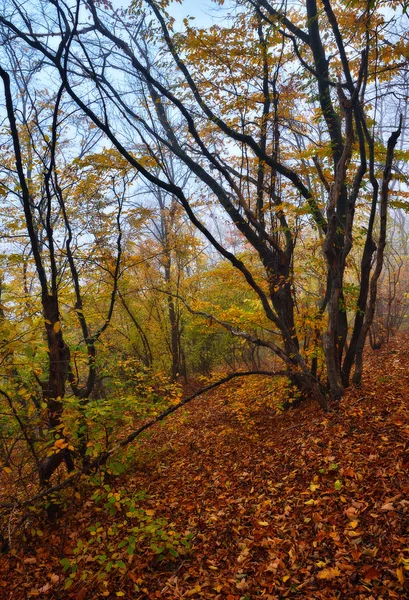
(295, 505)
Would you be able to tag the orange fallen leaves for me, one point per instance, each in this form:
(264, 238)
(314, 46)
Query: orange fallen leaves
(260, 502)
(400, 575)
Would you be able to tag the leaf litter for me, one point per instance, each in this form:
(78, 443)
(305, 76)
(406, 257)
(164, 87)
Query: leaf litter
(299, 504)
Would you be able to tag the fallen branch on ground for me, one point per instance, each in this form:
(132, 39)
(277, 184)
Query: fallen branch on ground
(104, 456)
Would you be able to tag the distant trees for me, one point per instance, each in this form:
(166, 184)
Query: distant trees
(174, 248)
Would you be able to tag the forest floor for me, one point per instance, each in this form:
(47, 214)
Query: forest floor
(257, 504)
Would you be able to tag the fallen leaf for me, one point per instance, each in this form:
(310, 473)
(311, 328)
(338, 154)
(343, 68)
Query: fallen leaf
(400, 575)
(81, 594)
(330, 573)
(372, 573)
(242, 585)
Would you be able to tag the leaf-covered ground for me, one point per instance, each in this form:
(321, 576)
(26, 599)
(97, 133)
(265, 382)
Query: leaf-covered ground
(294, 505)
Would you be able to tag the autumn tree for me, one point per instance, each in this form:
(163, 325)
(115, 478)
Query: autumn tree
(263, 112)
(44, 195)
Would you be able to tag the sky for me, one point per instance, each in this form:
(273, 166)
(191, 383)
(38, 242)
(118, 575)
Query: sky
(202, 10)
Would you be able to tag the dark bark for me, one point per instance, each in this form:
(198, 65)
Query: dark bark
(383, 215)
(58, 353)
(59, 369)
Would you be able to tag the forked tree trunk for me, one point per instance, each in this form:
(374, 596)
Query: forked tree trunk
(370, 312)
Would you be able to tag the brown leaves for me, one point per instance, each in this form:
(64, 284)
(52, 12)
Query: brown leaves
(82, 594)
(387, 506)
(261, 504)
(371, 573)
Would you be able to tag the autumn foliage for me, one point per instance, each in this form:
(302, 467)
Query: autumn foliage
(204, 284)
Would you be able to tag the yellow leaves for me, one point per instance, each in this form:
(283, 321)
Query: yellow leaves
(330, 573)
(56, 326)
(400, 575)
(354, 534)
(107, 160)
(147, 161)
(115, 495)
(195, 590)
(60, 443)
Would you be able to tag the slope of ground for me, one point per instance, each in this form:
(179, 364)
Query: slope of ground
(295, 505)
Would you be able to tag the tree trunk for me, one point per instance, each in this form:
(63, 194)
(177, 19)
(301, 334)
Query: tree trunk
(54, 389)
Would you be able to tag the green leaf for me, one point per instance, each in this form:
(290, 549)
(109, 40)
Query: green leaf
(109, 566)
(157, 549)
(68, 583)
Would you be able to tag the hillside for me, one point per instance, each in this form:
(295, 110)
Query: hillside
(295, 505)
